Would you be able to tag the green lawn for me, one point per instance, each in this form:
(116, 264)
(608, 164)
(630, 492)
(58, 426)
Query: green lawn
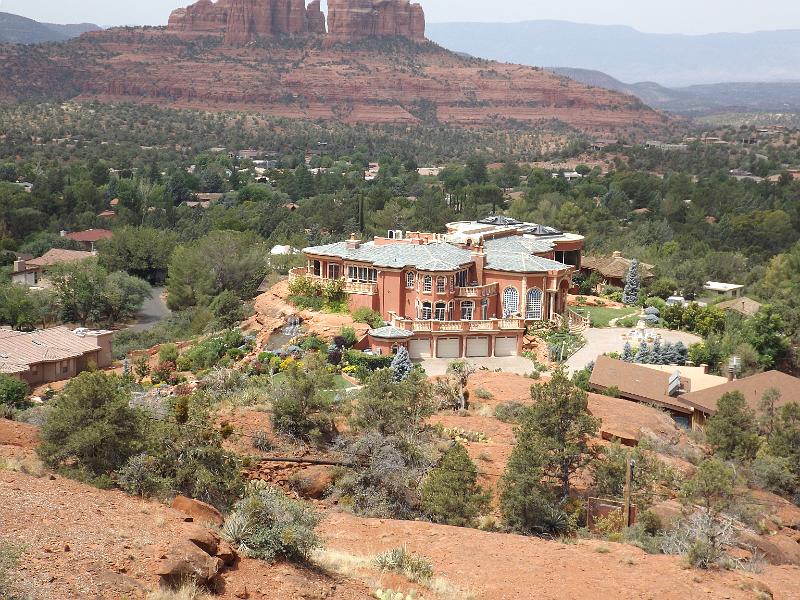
(601, 315)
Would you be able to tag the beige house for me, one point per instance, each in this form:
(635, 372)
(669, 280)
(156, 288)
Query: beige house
(53, 354)
(32, 272)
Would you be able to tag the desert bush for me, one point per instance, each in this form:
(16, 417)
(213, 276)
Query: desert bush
(262, 442)
(393, 407)
(450, 493)
(188, 591)
(222, 382)
(370, 317)
(399, 560)
(9, 561)
(168, 353)
(483, 394)
(267, 525)
(302, 404)
(701, 539)
(141, 476)
(774, 474)
(510, 412)
(13, 392)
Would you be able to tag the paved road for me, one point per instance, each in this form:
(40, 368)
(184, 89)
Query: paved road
(153, 310)
(511, 364)
(603, 341)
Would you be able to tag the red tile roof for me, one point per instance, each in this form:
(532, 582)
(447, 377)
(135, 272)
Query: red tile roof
(90, 235)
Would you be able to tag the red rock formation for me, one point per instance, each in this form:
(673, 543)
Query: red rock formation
(352, 20)
(316, 18)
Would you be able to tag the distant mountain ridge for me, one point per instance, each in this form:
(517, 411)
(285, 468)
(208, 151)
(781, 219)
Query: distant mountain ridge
(630, 55)
(15, 29)
(779, 96)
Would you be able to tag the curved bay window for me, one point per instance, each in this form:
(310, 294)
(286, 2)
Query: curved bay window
(510, 302)
(534, 308)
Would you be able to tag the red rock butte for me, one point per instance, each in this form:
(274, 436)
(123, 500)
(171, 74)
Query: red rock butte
(243, 21)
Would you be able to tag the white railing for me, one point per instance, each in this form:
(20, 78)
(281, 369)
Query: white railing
(483, 291)
(350, 287)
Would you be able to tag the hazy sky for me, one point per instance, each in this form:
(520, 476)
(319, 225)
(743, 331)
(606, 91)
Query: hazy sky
(659, 16)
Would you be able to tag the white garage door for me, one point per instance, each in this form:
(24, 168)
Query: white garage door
(478, 347)
(448, 348)
(420, 348)
(505, 346)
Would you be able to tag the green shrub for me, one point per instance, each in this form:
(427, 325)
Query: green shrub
(510, 412)
(13, 392)
(368, 316)
(349, 336)
(450, 494)
(483, 394)
(267, 525)
(399, 560)
(210, 352)
(774, 474)
(9, 561)
(168, 353)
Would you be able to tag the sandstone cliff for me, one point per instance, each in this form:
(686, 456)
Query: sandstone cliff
(352, 20)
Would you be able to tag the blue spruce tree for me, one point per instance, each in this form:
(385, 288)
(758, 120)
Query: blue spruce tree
(633, 284)
(401, 364)
(627, 352)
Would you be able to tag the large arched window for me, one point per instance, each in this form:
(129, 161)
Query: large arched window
(439, 313)
(533, 306)
(441, 285)
(427, 313)
(427, 284)
(510, 302)
(467, 310)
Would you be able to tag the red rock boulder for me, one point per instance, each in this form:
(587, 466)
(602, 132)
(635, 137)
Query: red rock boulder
(199, 511)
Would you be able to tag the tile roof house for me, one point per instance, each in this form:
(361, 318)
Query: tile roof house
(468, 293)
(744, 306)
(752, 388)
(32, 272)
(90, 237)
(53, 354)
(614, 269)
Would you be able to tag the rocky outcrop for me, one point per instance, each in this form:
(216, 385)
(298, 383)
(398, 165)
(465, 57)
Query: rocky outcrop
(353, 20)
(199, 511)
(316, 18)
(243, 21)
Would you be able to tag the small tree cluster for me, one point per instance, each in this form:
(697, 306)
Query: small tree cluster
(657, 354)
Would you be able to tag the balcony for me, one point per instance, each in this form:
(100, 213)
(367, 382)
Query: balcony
(483, 291)
(489, 326)
(350, 287)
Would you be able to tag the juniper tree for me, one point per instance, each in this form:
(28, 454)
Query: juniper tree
(450, 494)
(733, 431)
(633, 284)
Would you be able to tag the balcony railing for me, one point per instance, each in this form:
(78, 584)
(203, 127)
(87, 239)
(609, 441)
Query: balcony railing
(483, 291)
(488, 326)
(350, 287)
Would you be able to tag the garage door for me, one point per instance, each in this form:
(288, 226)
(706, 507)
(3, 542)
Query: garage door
(448, 348)
(505, 346)
(478, 347)
(420, 348)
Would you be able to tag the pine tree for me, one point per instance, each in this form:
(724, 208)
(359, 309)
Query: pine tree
(450, 494)
(657, 353)
(627, 352)
(401, 364)
(633, 284)
(683, 353)
(642, 355)
(733, 431)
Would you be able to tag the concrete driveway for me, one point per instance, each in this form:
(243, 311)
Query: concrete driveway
(154, 310)
(606, 340)
(510, 364)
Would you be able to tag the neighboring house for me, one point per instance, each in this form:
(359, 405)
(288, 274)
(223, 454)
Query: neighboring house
(744, 306)
(53, 354)
(468, 293)
(691, 398)
(614, 269)
(641, 384)
(89, 238)
(33, 272)
(727, 290)
(752, 388)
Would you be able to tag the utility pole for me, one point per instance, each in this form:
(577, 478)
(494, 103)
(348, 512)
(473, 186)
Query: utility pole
(629, 464)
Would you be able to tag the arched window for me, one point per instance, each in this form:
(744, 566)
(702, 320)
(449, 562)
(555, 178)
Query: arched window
(439, 314)
(427, 284)
(441, 285)
(533, 306)
(410, 280)
(427, 313)
(510, 302)
(467, 310)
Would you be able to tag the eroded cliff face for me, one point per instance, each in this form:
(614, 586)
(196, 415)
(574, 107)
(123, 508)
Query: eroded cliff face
(352, 20)
(243, 21)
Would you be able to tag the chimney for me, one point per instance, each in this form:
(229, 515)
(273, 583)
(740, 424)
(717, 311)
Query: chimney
(617, 254)
(63, 233)
(353, 243)
(731, 373)
(479, 256)
(19, 266)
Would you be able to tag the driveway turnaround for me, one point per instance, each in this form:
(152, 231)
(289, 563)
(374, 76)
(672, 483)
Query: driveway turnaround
(607, 340)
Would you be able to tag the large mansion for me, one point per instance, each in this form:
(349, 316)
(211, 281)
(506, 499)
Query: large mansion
(470, 292)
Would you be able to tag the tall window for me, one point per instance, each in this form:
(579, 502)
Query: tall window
(451, 308)
(410, 280)
(485, 309)
(427, 284)
(426, 311)
(510, 302)
(533, 307)
(462, 279)
(441, 309)
(467, 310)
(333, 271)
(441, 285)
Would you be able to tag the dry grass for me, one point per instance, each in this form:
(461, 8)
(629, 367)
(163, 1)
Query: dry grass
(363, 569)
(29, 466)
(188, 591)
